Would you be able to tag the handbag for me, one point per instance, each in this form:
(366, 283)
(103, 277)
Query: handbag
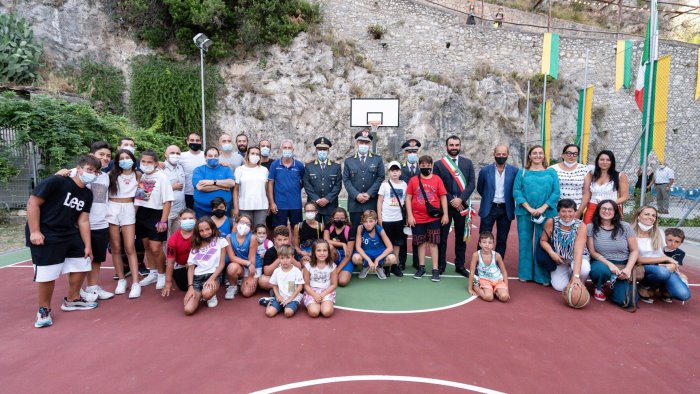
(403, 207)
(432, 211)
(624, 292)
(543, 259)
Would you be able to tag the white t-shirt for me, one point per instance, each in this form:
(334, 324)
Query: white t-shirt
(176, 174)
(645, 249)
(319, 278)
(98, 212)
(391, 211)
(287, 281)
(251, 192)
(153, 191)
(206, 259)
(189, 162)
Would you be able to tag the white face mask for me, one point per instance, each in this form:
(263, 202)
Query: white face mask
(644, 227)
(567, 224)
(174, 159)
(310, 215)
(148, 169)
(242, 229)
(570, 165)
(260, 239)
(254, 159)
(130, 149)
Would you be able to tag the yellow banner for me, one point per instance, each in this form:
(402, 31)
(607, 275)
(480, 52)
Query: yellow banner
(619, 65)
(663, 72)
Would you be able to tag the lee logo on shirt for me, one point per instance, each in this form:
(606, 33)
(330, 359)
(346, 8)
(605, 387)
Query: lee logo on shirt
(74, 203)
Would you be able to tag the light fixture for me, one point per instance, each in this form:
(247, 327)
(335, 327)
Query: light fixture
(203, 43)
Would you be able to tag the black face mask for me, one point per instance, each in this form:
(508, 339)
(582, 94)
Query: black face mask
(208, 239)
(339, 223)
(426, 171)
(242, 148)
(195, 147)
(219, 213)
(501, 160)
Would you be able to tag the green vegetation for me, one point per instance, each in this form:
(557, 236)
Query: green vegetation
(102, 83)
(234, 26)
(161, 88)
(62, 131)
(19, 53)
(376, 30)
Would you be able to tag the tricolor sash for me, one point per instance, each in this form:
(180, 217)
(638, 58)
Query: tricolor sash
(462, 184)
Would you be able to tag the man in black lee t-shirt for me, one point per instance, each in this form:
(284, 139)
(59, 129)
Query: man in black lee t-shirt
(58, 236)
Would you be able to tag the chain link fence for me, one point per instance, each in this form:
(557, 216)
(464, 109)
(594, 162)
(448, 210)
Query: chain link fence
(19, 171)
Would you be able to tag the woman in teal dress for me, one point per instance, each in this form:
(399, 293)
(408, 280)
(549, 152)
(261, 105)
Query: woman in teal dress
(536, 194)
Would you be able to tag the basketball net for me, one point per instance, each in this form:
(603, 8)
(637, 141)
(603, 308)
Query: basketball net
(374, 124)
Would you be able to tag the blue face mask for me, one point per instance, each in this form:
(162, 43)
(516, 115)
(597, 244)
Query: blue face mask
(213, 162)
(126, 164)
(363, 149)
(227, 147)
(87, 178)
(265, 151)
(412, 158)
(322, 155)
(187, 224)
(287, 153)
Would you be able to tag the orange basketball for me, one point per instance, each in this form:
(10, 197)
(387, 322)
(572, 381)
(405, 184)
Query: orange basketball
(576, 296)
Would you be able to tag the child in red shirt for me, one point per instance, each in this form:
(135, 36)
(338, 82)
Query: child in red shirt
(426, 228)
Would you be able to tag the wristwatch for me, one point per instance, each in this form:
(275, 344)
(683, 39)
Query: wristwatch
(577, 276)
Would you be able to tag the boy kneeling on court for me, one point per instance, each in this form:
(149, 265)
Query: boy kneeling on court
(287, 282)
(57, 245)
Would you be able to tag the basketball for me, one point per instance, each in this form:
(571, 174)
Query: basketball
(575, 296)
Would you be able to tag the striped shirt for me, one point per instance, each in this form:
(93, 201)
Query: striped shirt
(571, 182)
(612, 249)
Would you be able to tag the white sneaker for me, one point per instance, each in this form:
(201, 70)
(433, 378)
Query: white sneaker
(212, 302)
(151, 278)
(102, 294)
(88, 296)
(160, 282)
(121, 287)
(135, 291)
(231, 292)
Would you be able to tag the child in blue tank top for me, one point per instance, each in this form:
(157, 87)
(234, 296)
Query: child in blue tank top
(373, 249)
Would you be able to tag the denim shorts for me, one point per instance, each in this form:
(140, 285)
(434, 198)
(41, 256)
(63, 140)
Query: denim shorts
(294, 305)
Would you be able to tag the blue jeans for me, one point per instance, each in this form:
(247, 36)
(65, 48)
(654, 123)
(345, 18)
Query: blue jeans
(655, 275)
(600, 273)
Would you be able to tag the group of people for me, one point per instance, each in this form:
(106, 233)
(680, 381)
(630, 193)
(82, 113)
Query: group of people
(231, 216)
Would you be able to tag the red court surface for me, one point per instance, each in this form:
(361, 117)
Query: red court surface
(531, 344)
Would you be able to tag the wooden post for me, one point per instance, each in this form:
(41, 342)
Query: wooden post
(619, 17)
(549, 17)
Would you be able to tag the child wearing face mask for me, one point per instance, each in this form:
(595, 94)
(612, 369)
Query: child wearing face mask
(341, 236)
(218, 216)
(264, 245)
(306, 232)
(177, 251)
(242, 264)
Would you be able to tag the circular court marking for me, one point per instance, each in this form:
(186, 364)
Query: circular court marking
(403, 295)
(363, 378)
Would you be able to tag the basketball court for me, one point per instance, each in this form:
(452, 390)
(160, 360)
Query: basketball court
(401, 334)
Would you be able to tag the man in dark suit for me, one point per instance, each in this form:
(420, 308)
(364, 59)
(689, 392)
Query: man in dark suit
(457, 173)
(409, 169)
(363, 174)
(323, 181)
(495, 186)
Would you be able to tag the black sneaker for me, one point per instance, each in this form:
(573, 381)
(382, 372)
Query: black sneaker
(419, 274)
(143, 271)
(436, 276)
(396, 270)
(265, 301)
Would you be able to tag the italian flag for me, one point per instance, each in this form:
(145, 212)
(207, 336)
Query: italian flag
(643, 69)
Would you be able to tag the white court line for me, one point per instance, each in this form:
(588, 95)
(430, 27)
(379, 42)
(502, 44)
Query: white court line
(14, 264)
(442, 308)
(32, 266)
(369, 378)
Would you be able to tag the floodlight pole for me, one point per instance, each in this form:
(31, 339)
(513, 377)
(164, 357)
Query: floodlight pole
(201, 72)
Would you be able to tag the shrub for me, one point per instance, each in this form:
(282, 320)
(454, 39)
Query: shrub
(19, 53)
(103, 83)
(63, 131)
(376, 30)
(171, 90)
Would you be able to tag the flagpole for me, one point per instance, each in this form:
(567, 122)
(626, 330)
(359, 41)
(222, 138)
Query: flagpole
(585, 87)
(648, 90)
(544, 110)
(527, 122)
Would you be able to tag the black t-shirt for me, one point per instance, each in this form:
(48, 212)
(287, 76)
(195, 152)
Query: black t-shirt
(341, 237)
(270, 256)
(308, 234)
(64, 201)
(677, 255)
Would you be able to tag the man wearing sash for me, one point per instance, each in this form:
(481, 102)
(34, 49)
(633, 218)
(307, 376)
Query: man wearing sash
(457, 173)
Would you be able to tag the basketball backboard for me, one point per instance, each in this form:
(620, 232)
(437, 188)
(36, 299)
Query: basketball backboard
(364, 111)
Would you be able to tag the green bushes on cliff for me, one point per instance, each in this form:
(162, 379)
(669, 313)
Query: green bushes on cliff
(169, 90)
(233, 26)
(19, 53)
(103, 83)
